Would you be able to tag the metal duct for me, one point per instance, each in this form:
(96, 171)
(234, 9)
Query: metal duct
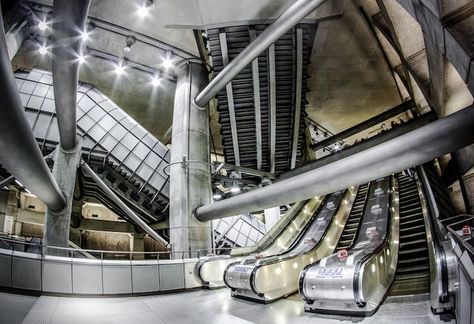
(20, 153)
(413, 148)
(69, 22)
(290, 18)
(87, 169)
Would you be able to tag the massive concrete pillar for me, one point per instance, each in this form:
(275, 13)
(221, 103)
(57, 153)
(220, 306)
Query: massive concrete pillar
(190, 177)
(69, 21)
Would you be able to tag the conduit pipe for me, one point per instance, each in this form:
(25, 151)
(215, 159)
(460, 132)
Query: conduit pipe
(134, 217)
(69, 23)
(290, 18)
(19, 151)
(411, 149)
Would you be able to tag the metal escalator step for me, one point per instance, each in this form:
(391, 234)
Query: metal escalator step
(411, 210)
(412, 229)
(404, 245)
(413, 269)
(410, 217)
(411, 276)
(412, 251)
(411, 222)
(410, 205)
(411, 236)
(420, 259)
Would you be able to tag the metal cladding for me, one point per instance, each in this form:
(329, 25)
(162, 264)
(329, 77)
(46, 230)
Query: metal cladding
(20, 153)
(413, 148)
(87, 169)
(292, 16)
(69, 21)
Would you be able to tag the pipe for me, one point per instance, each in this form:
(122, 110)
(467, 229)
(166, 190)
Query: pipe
(365, 125)
(290, 18)
(356, 148)
(87, 169)
(69, 22)
(20, 153)
(6, 181)
(413, 148)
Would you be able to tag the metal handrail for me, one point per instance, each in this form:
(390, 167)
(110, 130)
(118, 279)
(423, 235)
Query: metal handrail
(183, 254)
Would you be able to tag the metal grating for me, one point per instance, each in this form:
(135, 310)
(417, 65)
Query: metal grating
(240, 100)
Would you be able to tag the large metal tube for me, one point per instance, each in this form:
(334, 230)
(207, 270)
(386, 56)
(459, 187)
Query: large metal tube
(69, 22)
(87, 169)
(19, 151)
(416, 147)
(290, 18)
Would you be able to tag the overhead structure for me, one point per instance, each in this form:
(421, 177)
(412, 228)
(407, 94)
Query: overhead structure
(416, 147)
(21, 155)
(290, 18)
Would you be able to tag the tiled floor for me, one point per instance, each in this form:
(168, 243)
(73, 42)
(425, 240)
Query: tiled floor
(201, 306)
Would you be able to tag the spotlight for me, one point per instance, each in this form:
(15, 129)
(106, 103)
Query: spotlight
(85, 36)
(144, 9)
(42, 25)
(235, 189)
(120, 69)
(337, 147)
(43, 50)
(81, 59)
(217, 196)
(167, 63)
(156, 81)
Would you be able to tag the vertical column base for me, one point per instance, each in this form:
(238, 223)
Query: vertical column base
(58, 222)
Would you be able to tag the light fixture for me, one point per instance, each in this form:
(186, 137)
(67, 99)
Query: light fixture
(85, 36)
(81, 59)
(216, 196)
(129, 41)
(42, 25)
(144, 9)
(156, 80)
(337, 147)
(235, 189)
(167, 62)
(120, 68)
(43, 50)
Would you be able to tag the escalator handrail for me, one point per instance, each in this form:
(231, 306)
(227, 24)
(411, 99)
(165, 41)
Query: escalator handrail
(367, 257)
(433, 217)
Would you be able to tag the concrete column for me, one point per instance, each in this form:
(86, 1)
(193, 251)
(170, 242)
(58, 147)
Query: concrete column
(139, 245)
(11, 213)
(64, 171)
(190, 179)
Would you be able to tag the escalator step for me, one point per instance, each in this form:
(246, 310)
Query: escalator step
(417, 268)
(411, 236)
(418, 260)
(415, 250)
(409, 244)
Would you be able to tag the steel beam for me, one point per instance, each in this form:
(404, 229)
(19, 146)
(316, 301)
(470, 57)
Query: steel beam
(6, 181)
(414, 148)
(20, 153)
(272, 85)
(299, 94)
(69, 21)
(134, 217)
(256, 102)
(365, 124)
(230, 100)
(290, 18)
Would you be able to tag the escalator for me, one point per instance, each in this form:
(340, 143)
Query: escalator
(353, 222)
(270, 278)
(209, 270)
(413, 268)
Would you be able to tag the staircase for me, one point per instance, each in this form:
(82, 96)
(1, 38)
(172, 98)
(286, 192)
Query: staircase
(353, 221)
(413, 267)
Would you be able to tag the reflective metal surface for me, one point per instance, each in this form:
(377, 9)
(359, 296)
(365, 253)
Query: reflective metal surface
(210, 270)
(269, 278)
(355, 284)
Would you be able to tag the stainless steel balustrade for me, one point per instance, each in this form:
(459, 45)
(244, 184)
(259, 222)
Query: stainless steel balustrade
(91, 272)
(356, 285)
(210, 270)
(269, 278)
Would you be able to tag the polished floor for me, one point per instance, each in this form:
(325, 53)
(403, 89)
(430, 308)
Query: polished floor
(200, 306)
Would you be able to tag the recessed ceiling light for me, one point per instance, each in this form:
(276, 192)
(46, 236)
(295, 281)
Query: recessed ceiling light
(81, 59)
(142, 11)
(42, 25)
(43, 50)
(167, 63)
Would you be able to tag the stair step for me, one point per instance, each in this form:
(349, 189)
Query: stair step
(403, 245)
(421, 259)
(417, 268)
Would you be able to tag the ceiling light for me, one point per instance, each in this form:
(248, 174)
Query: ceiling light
(120, 69)
(42, 25)
(43, 50)
(235, 189)
(217, 196)
(156, 81)
(167, 63)
(142, 12)
(81, 59)
(85, 36)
